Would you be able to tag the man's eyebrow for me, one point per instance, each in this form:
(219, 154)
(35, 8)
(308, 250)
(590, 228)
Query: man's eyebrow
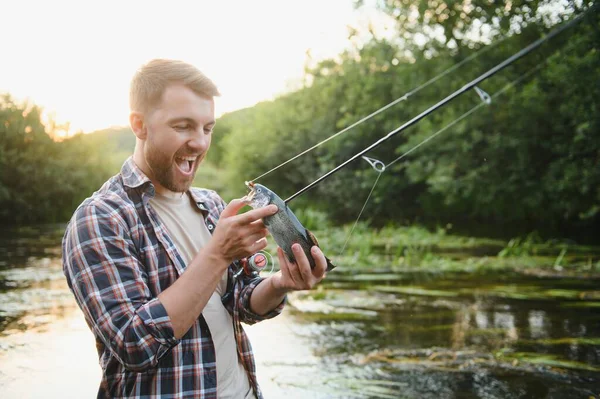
(189, 120)
(181, 119)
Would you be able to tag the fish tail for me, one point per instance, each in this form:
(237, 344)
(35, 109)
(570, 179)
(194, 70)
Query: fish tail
(330, 266)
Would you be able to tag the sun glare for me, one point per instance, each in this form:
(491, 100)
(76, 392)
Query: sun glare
(76, 60)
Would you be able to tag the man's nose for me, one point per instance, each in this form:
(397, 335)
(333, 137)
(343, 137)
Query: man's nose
(199, 141)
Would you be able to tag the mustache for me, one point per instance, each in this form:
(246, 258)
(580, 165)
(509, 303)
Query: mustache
(187, 155)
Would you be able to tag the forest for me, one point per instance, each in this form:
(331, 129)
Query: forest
(527, 162)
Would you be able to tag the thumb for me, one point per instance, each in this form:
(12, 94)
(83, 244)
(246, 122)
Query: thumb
(233, 208)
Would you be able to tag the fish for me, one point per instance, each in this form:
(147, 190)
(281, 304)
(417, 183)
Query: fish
(284, 226)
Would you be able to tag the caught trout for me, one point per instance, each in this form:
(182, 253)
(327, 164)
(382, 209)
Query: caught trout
(284, 226)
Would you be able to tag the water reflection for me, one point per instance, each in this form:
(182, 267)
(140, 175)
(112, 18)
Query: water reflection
(416, 336)
(481, 345)
(538, 324)
(32, 297)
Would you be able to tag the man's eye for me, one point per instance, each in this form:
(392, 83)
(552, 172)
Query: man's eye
(208, 130)
(182, 127)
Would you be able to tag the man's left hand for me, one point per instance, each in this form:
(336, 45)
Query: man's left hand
(299, 276)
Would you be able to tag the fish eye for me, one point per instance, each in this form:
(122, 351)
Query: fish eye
(259, 190)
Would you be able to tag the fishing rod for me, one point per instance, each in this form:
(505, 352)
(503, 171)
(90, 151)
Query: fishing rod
(404, 97)
(523, 52)
(434, 135)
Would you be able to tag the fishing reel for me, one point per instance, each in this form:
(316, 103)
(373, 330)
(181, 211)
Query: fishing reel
(251, 267)
(255, 264)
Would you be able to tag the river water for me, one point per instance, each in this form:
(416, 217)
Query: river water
(417, 335)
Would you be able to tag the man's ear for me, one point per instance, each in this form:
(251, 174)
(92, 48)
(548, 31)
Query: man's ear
(136, 121)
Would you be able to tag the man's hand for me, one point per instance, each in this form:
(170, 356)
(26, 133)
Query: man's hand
(299, 276)
(238, 236)
(292, 277)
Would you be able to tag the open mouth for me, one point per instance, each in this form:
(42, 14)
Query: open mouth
(186, 164)
(250, 196)
(251, 187)
(255, 198)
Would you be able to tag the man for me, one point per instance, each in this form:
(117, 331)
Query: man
(149, 259)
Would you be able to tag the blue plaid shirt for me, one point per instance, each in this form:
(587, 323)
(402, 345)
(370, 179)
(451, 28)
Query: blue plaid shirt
(117, 258)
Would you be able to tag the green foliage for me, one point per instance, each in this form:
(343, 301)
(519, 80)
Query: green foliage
(526, 162)
(522, 246)
(42, 180)
(312, 219)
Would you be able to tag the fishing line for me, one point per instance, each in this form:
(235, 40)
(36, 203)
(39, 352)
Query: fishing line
(396, 101)
(448, 99)
(468, 113)
(508, 86)
(271, 261)
(448, 126)
(361, 212)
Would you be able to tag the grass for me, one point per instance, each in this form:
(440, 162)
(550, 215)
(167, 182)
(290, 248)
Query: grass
(394, 249)
(547, 360)
(407, 248)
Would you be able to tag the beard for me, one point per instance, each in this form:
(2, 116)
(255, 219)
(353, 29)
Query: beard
(164, 171)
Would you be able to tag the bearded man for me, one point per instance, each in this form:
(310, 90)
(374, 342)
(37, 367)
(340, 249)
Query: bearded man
(151, 261)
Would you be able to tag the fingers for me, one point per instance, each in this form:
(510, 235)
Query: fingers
(251, 230)
(320, 262)
(251, 240)
(241, 235)
(283, 262)
(303, 266)
(298, 275)
(259, 245)
(235, 205)
(258, 222)
(294, 272)
(281, 257)
(257, 214)
(259, 226)
(233, 208)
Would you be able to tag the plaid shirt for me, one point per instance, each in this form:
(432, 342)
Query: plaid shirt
(117, 257)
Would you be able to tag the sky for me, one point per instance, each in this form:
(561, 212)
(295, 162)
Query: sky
(76, 58)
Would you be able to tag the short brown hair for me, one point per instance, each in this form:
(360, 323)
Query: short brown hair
(151, 80)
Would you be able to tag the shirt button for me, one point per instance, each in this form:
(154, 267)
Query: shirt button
(210, 227)
(202, 207)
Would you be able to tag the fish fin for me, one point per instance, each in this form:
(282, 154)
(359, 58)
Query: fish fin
(312, 237)
(330, 266)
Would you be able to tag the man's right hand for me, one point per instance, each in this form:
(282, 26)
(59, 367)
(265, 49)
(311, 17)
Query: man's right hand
(238, 236)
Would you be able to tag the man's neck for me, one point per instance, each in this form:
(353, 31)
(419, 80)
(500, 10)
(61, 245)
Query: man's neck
(165, 192)
(138, 159)
(140, 162)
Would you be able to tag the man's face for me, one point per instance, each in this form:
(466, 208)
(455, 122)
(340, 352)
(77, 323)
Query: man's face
(179, 132)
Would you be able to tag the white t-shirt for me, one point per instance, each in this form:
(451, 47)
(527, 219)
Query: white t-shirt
(188, 230)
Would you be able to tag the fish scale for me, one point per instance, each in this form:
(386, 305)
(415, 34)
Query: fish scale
(284, 226)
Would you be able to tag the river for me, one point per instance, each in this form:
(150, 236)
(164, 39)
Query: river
(418, 335)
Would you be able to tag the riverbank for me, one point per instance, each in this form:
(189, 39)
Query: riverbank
(58, 358)
(370, 331)
(414, 249)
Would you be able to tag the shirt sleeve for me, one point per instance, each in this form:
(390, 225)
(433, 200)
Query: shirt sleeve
(110, 285)
(243, 302)
(245, 286)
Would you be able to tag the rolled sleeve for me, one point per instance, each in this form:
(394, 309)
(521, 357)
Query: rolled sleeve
(155, 317)
(246, 314)
(110, 285)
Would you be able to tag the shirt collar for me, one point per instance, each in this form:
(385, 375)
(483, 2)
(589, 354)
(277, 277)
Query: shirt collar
(133, 176)
(200, 200)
